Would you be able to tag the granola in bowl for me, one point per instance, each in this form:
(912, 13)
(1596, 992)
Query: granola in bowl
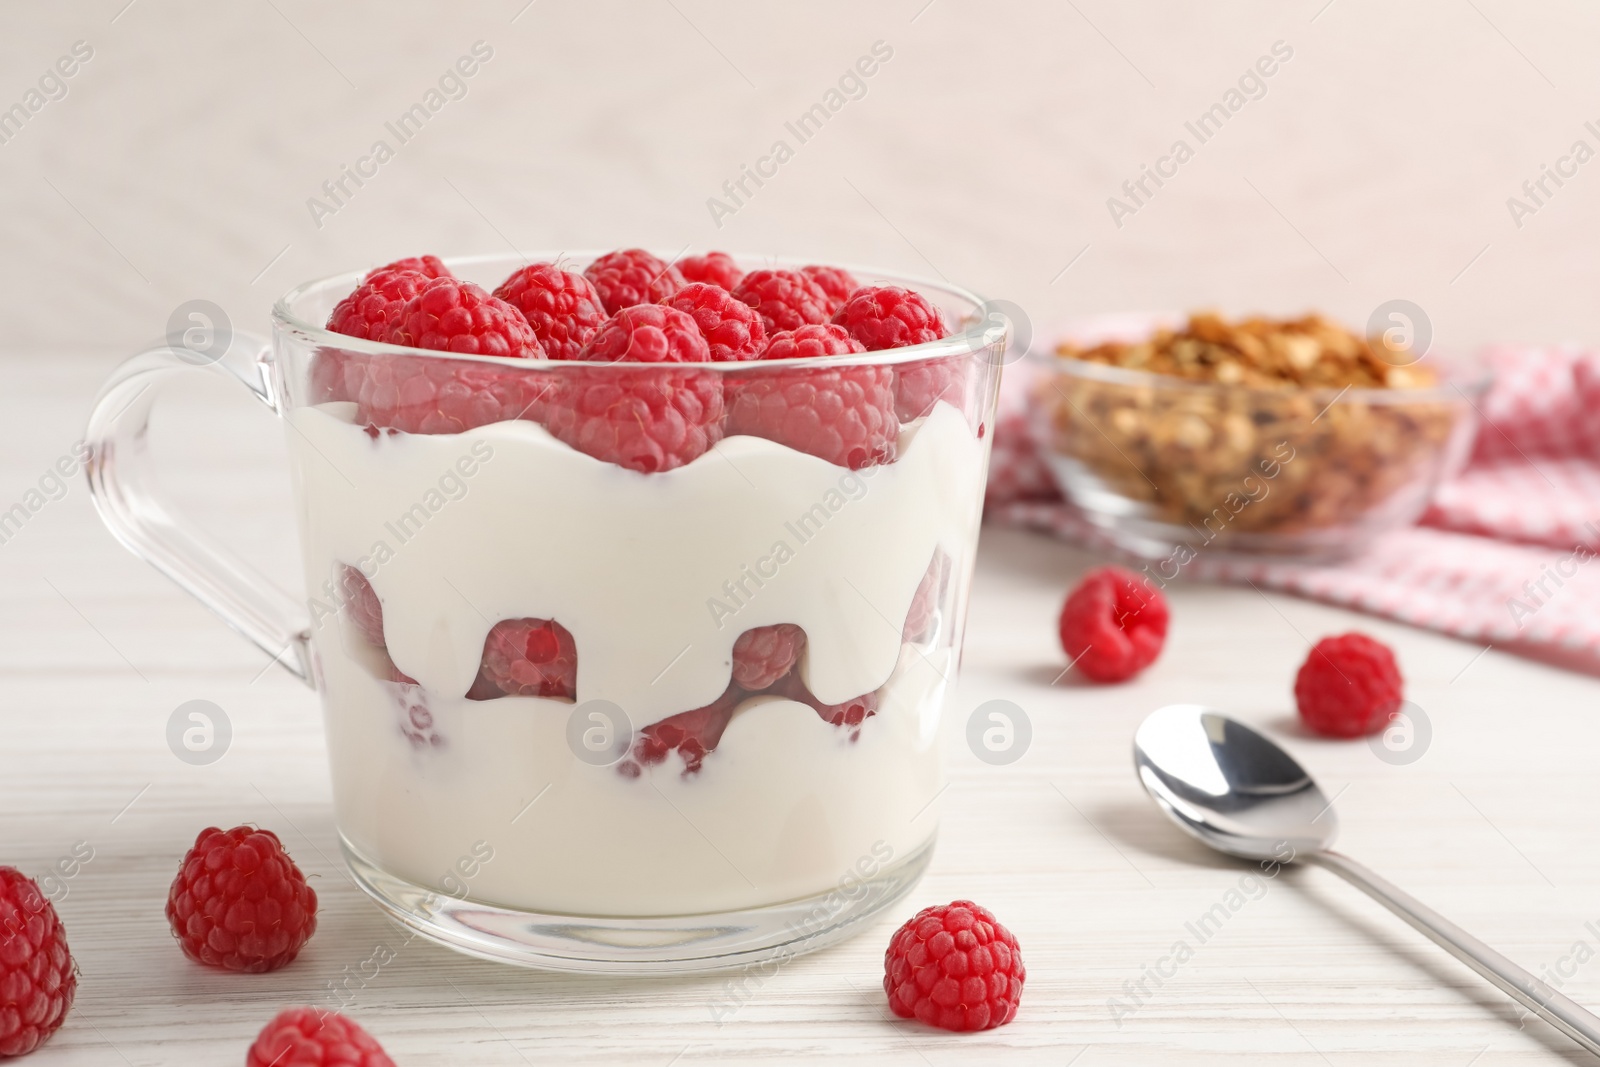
(1285, 437)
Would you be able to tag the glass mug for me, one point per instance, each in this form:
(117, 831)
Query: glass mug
(562, 724)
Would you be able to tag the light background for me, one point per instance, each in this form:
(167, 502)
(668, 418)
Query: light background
(1377, 166)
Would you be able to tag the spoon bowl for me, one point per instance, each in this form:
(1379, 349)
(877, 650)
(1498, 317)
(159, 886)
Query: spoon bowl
(1229, 787)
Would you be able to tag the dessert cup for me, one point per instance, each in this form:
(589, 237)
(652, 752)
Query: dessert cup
(615, 789)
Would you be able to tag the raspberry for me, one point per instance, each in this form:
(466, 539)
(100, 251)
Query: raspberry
(765, 654)
(785, 299)
(811, 341)
(886, 316)
(648, 333)
(435, 395)
(1348, 686)
(716, 268)
(431, 266)
(851, 713)
(692, 734)
(731, 327)
(632, 276)
(38, 977)
(647, 419)
(837, 282)
(411, 706)
(844, 415)
(362, 605)
(955, 967)
(562, 307)
(920, 385)
(1113, 624)
(448, 315)
(311, 1037)
(370, 311)
(527, 658)
(240, 903)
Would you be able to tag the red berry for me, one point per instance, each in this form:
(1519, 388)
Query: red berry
(38, 977)
(449, 315)
(371, 310)
(844, 415)
(647, 419)
(731, 327)
(648, 333)
(362, 605)
(431, 266)
(837, 282)
(313, 1037)
(920, 385)
(1349, 686)
(563, 308)
(692, 734)
(717, 268)
(765, 654)
(785, 299)
(240, 903)
(433, 395)
(527, 658)
(1113, 624)
(811, 341)
(955, 967)
(886, 316)
(632, 276)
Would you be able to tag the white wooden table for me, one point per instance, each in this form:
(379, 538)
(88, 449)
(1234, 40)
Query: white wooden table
(1493, 825)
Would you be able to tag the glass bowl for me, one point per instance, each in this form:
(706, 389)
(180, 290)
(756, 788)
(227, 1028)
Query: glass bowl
(1168, 465)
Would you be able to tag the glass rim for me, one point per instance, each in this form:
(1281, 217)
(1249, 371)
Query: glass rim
(974, 333)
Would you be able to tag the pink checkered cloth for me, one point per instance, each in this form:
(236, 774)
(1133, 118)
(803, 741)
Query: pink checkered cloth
(1504, 556)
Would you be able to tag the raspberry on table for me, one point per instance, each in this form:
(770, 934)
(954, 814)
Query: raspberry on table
(38, 978)
(955, 967)
(785, 299)
(1349, 686)
(887, 316)
(692, 734)
(435, 395)
(562, 307)
(632, 276)
(715, 268)
(314, 1037)
(732, 329)
(527, 658)
(361, 604)
(763, 655)
(920, 385)
(837, 282)
(844, 415)
(429, 266)
(450, 315)
(240, 903)
(1113, 624)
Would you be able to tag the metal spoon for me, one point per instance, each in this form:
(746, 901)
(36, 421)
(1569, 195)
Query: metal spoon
(1238, 792)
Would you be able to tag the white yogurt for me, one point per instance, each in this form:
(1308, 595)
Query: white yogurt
(655, 576)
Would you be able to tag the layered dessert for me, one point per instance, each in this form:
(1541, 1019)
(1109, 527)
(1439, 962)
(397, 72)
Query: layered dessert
(655, 608)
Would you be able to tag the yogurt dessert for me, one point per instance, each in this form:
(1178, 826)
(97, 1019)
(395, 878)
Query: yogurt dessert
(639, 593)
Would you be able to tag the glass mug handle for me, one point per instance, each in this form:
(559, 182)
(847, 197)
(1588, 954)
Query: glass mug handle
(126, 494)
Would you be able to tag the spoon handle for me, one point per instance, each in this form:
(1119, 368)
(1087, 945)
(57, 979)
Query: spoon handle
(1532, 993)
